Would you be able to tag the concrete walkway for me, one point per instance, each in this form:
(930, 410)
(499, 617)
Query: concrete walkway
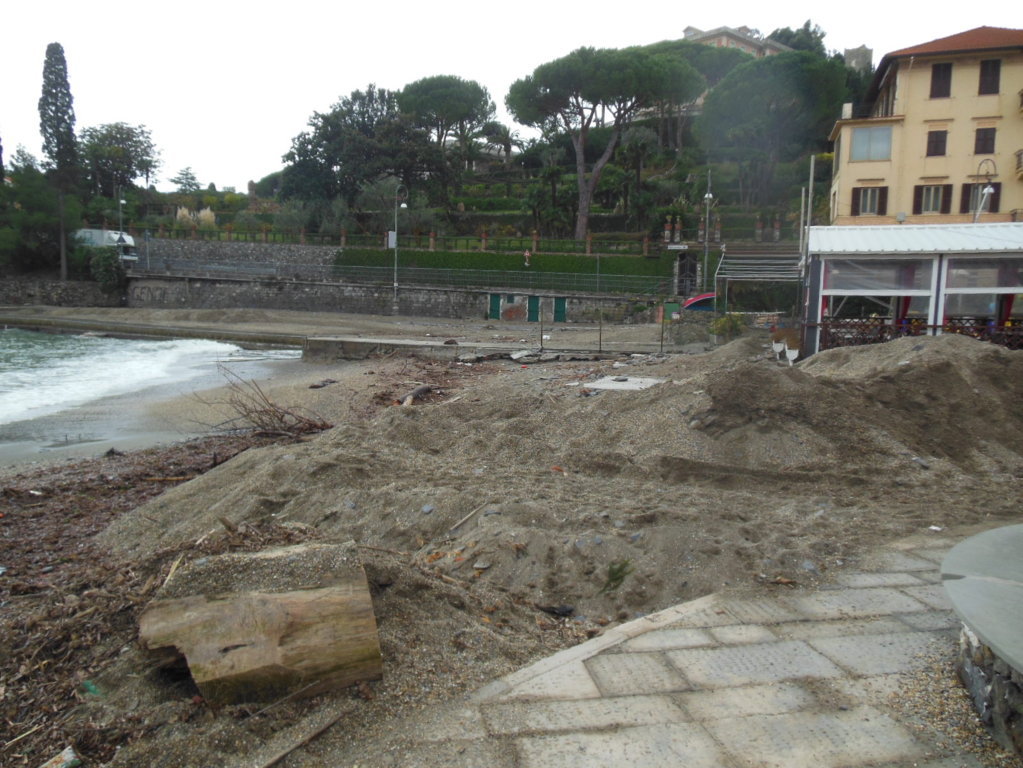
(801, 679)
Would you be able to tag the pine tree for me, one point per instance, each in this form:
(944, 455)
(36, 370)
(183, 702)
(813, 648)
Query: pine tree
(57, 125)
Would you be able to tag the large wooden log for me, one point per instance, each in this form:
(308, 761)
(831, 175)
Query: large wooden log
(257, 645)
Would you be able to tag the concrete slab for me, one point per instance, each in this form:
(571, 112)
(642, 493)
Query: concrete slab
(805, 630)
(879, 579)
(759, 612)
(889, 560)
(627, 711)
(852, 603)
(752, 633)
(745, 701)
(932, 621)
(568, 681)
(624, 674)
(622, 382)
(859, 737)
(750, 664)
(933, 595)
(878, 654)
(665, 746)
(667, 639)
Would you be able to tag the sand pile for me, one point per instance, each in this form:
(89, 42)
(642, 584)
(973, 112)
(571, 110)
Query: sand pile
(734, 468)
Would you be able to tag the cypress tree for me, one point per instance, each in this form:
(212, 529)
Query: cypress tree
(57, 125)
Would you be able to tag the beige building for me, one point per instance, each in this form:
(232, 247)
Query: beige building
(941, 136)
(743, 38)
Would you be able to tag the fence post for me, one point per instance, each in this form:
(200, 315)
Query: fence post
(483, 241)
(344, 237)
(301, 236)
(433, 241)
(646, 245)
(536, 241)
(589, 243)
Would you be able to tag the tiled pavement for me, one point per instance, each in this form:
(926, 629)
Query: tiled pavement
(800, 679)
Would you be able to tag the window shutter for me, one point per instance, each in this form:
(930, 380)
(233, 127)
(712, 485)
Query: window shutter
(995, 198)
(882, 201)
(855, 202)
(964, 200)
(918, 200)
(946, 198)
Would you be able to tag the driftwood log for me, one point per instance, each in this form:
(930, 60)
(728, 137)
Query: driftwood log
(261, 645)
(416, 394)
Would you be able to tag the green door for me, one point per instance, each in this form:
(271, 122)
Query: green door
(495, 306)
(560, 309)
(532, 309)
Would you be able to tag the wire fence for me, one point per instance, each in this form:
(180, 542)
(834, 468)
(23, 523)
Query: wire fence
(485, 279)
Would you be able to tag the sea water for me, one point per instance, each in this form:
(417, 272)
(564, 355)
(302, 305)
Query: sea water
(43, 374)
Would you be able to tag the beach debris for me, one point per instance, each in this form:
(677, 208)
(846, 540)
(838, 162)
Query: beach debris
(245, 644)
(322, 384)
(616, 573)
(557, 610)
(66, 759)
(416, 394)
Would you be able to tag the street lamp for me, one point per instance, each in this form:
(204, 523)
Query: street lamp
(399, 202)
(120, 227)
(708, 200)
(988, 190)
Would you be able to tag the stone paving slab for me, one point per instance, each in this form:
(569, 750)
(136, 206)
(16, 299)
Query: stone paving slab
(893, 560)
(878, 654)
(853, 603)
(667, 746)
(861, 736)
(665, 639)
(932, 595)
(746, 700)
(750, 664)
(879, 579)
(626, 711)
(624, 674)
(805, 630)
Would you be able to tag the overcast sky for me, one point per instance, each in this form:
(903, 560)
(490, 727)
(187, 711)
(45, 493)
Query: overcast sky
(224, 86)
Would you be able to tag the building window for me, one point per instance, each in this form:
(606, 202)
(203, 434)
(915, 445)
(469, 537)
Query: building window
(873, 142)
(932, 198)
(869, 201)
(936, 143)
(984, 142)
(972, 196)
(941, 80)
(990, 76)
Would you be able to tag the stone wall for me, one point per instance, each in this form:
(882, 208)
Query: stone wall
(309, 296)
(21, 291)
(201, 251)
(996, 689)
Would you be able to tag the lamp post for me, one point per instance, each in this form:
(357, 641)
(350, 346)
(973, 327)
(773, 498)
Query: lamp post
(120, 227)
(708, 200)
(399, 202)
(988, 190)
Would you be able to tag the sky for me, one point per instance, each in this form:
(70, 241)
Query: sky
(224, 86)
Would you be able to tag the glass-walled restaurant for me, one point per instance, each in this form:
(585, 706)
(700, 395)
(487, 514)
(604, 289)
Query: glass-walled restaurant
(868, 285)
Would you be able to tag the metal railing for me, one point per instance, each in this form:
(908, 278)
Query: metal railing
(853, 332)
(502, 281)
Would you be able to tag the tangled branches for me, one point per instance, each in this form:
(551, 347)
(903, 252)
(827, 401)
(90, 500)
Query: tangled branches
(256, 412)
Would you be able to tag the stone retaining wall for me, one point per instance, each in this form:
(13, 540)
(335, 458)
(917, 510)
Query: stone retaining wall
(19, 291)
(996, 689)
(307, 296)
(237, 252)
